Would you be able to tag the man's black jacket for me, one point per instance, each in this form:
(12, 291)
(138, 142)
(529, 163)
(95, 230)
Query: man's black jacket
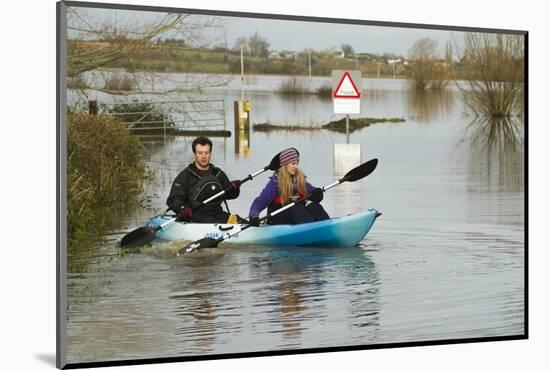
(190, 189)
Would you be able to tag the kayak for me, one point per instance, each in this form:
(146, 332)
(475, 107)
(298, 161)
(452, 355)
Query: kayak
(342, 231)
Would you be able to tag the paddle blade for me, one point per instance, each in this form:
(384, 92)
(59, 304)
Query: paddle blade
(361, 171)
(199, 244)
(138, 237)
(274, 164)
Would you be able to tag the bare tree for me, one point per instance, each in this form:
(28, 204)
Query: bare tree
(442, 69)
(241, 42)
(258, 45)
(493, 66)
(449, 56)
(423, 56)
(348, 50)
(94, 44)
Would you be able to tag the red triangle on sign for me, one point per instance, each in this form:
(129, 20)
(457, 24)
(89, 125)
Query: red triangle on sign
(346, 88)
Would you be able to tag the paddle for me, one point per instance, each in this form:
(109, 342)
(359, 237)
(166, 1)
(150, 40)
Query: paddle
(355, 174)
(145, 234)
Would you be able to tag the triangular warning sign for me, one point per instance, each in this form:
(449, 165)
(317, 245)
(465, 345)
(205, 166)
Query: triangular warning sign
(346, 88)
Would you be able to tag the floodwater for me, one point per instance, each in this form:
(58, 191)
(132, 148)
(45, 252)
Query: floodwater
(444, 261)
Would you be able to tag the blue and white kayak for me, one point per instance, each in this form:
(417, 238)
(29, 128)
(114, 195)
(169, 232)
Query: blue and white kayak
(336, 232)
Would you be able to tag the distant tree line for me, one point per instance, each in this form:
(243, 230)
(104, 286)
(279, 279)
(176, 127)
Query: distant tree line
(173, 41)
(253, 46)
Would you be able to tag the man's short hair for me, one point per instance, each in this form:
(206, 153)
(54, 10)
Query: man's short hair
(202, 140)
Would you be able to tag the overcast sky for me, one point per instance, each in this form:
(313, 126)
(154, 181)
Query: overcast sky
(293, 35)
(297, 35)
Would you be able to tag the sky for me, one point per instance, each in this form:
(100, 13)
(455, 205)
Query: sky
(295, 35)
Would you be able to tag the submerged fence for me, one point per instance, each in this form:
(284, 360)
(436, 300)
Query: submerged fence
(189, 117)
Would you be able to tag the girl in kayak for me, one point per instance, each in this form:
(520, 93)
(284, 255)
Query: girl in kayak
(288, 184)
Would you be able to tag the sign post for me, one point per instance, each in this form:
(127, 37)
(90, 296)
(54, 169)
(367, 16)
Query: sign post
(346, 99)
(346, 95)
(347, 128)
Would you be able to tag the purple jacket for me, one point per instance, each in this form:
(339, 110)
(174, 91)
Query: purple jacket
(268, 194)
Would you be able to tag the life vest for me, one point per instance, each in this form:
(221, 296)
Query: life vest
(205, 187)
(295, 195)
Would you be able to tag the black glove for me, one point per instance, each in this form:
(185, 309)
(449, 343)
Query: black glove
(184, 214)
(316, 195)
(254, 221)
(233, 191)
(236, 184)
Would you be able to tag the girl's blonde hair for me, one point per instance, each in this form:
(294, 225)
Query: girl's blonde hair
(285, 183)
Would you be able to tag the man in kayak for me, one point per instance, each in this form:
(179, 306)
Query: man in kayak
(287, 185)
(199, 181)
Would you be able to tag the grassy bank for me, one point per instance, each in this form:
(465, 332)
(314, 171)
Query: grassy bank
(338, 126)
(268, 127)
(104, 170)
(294, 86)
(358, 123)
(174, 59)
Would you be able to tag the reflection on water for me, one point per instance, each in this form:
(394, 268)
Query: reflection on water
(196, 306)
(496, 153)
(242, 142)
(288, 291)
(427, 105)
(304, 302)
(496, 133)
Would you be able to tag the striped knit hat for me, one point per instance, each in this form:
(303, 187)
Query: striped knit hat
(288, 155)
